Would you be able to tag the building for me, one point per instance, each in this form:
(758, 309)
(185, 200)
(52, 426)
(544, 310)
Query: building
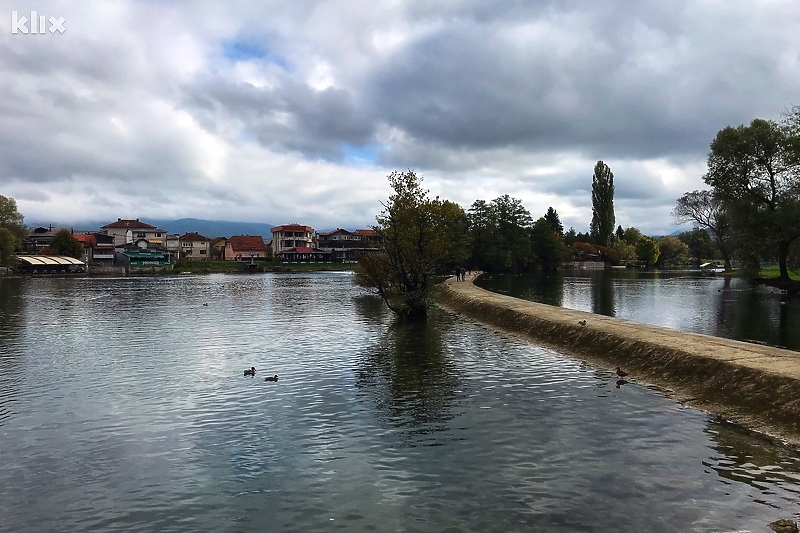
(195, 247)
(217, 250)
(128, 231)
(291, 236)
(244, 247)
(49, 264)
(39, 239)
(346, 245)
(98, 248)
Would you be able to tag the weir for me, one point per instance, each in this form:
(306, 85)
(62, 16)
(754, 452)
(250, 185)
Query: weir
(757, 387)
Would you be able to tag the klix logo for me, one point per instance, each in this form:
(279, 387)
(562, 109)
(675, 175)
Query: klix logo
(38, 23)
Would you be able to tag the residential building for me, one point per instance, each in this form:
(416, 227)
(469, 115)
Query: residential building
(244, 247)
(40, 238)
(195, 247)
(345, 245)
(291, 236)
(217, 250)
(128, 231)
(98, 248)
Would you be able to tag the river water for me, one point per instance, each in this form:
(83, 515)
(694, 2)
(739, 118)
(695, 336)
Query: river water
(123, 407)
(682, 300)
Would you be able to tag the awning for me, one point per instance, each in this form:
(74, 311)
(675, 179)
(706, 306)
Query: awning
(34, 260)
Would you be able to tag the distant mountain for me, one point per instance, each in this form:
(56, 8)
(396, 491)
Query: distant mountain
(213, 228)
(207, 228)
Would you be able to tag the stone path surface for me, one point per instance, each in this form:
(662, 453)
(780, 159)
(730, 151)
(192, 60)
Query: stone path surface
(755, 386)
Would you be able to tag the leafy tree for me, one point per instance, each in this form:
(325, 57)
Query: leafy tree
(419, 236)
(672, 252)
(570, 236)
(700, 244)
(555, 223)
(647, 250)
(632, 236)
(625, 252)
(620, 233)
(8, 243)
(707, 211)
(512, 223)
(755, 171)
(548, 250)
(602, 226)
(64, 243)
(11, 219)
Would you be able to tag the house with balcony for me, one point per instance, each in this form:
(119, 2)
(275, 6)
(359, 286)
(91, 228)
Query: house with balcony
(245, 247)
(195, 247)
(291, 236)
(98, 248)
(346, 245)
(130, 231)
(39, 238)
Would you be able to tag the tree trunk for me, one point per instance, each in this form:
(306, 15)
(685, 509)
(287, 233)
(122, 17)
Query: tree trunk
(783, 254)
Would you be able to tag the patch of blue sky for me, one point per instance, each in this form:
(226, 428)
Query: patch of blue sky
(246, 51)
(361, 155)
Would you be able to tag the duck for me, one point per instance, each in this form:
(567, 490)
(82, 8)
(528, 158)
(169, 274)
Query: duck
(271, 378)
(621, 373)
(250, 371)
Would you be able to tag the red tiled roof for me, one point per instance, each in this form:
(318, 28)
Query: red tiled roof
(292, 227)
(366, 232)
(87, 239)
(129, 224)
(247, 243)
(193, 236)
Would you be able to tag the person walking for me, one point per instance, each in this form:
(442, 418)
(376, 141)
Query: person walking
(463, 274)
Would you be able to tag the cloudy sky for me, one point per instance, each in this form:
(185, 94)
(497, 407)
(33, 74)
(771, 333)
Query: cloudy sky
(295, 111)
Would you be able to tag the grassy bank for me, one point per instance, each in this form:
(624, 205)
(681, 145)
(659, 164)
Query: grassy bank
(210, 267)
(774, 272)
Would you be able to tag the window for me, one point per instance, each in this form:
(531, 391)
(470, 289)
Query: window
(202, 252)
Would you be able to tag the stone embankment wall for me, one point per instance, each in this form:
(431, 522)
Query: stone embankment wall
(755, 386)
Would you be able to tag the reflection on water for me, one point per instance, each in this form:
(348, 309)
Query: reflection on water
(131, 413)
(681, 300)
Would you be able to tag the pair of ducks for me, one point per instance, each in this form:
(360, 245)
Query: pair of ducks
(252, 372)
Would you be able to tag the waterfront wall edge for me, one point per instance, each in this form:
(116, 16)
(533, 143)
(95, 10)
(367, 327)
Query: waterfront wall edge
(755, 386)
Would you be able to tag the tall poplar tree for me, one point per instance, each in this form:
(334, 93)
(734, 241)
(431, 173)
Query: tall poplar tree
(602, 227)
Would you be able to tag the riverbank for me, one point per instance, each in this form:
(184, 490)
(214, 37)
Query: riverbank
(755, 386)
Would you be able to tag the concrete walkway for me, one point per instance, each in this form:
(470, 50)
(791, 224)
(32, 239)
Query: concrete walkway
(753, 385)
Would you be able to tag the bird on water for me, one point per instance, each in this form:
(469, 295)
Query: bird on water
(271, 378)
(250, 371)
(621, 373)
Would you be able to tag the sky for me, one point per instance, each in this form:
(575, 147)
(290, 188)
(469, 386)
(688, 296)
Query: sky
(281, 112)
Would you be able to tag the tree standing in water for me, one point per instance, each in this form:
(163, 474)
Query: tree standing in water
(602, 227)
(420, 238)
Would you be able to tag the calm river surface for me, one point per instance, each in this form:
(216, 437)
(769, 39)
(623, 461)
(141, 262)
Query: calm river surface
(123, 408)
(681, 300)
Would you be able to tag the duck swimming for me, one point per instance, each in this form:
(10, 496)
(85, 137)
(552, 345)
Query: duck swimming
(250, 372)
(271, 378)
(621, 373)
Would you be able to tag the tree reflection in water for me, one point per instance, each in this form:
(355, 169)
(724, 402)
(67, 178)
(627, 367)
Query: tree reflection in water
(411, 379)
(748, 458)
(10, 319)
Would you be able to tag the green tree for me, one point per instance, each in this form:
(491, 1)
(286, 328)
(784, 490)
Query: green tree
(620, 233)
(672, 252)
(602, 226)
(11, 219)
(647, 250)
(700, 244)
(555, 223)
(632, 236)
(548, 250)
(755, 172)
(419, 237)
(64, 243)
(708, 212)
(8, 243)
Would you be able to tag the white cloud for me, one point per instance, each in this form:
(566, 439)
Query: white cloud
(278, 112)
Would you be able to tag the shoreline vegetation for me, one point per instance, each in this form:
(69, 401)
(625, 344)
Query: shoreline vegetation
(756, 387)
